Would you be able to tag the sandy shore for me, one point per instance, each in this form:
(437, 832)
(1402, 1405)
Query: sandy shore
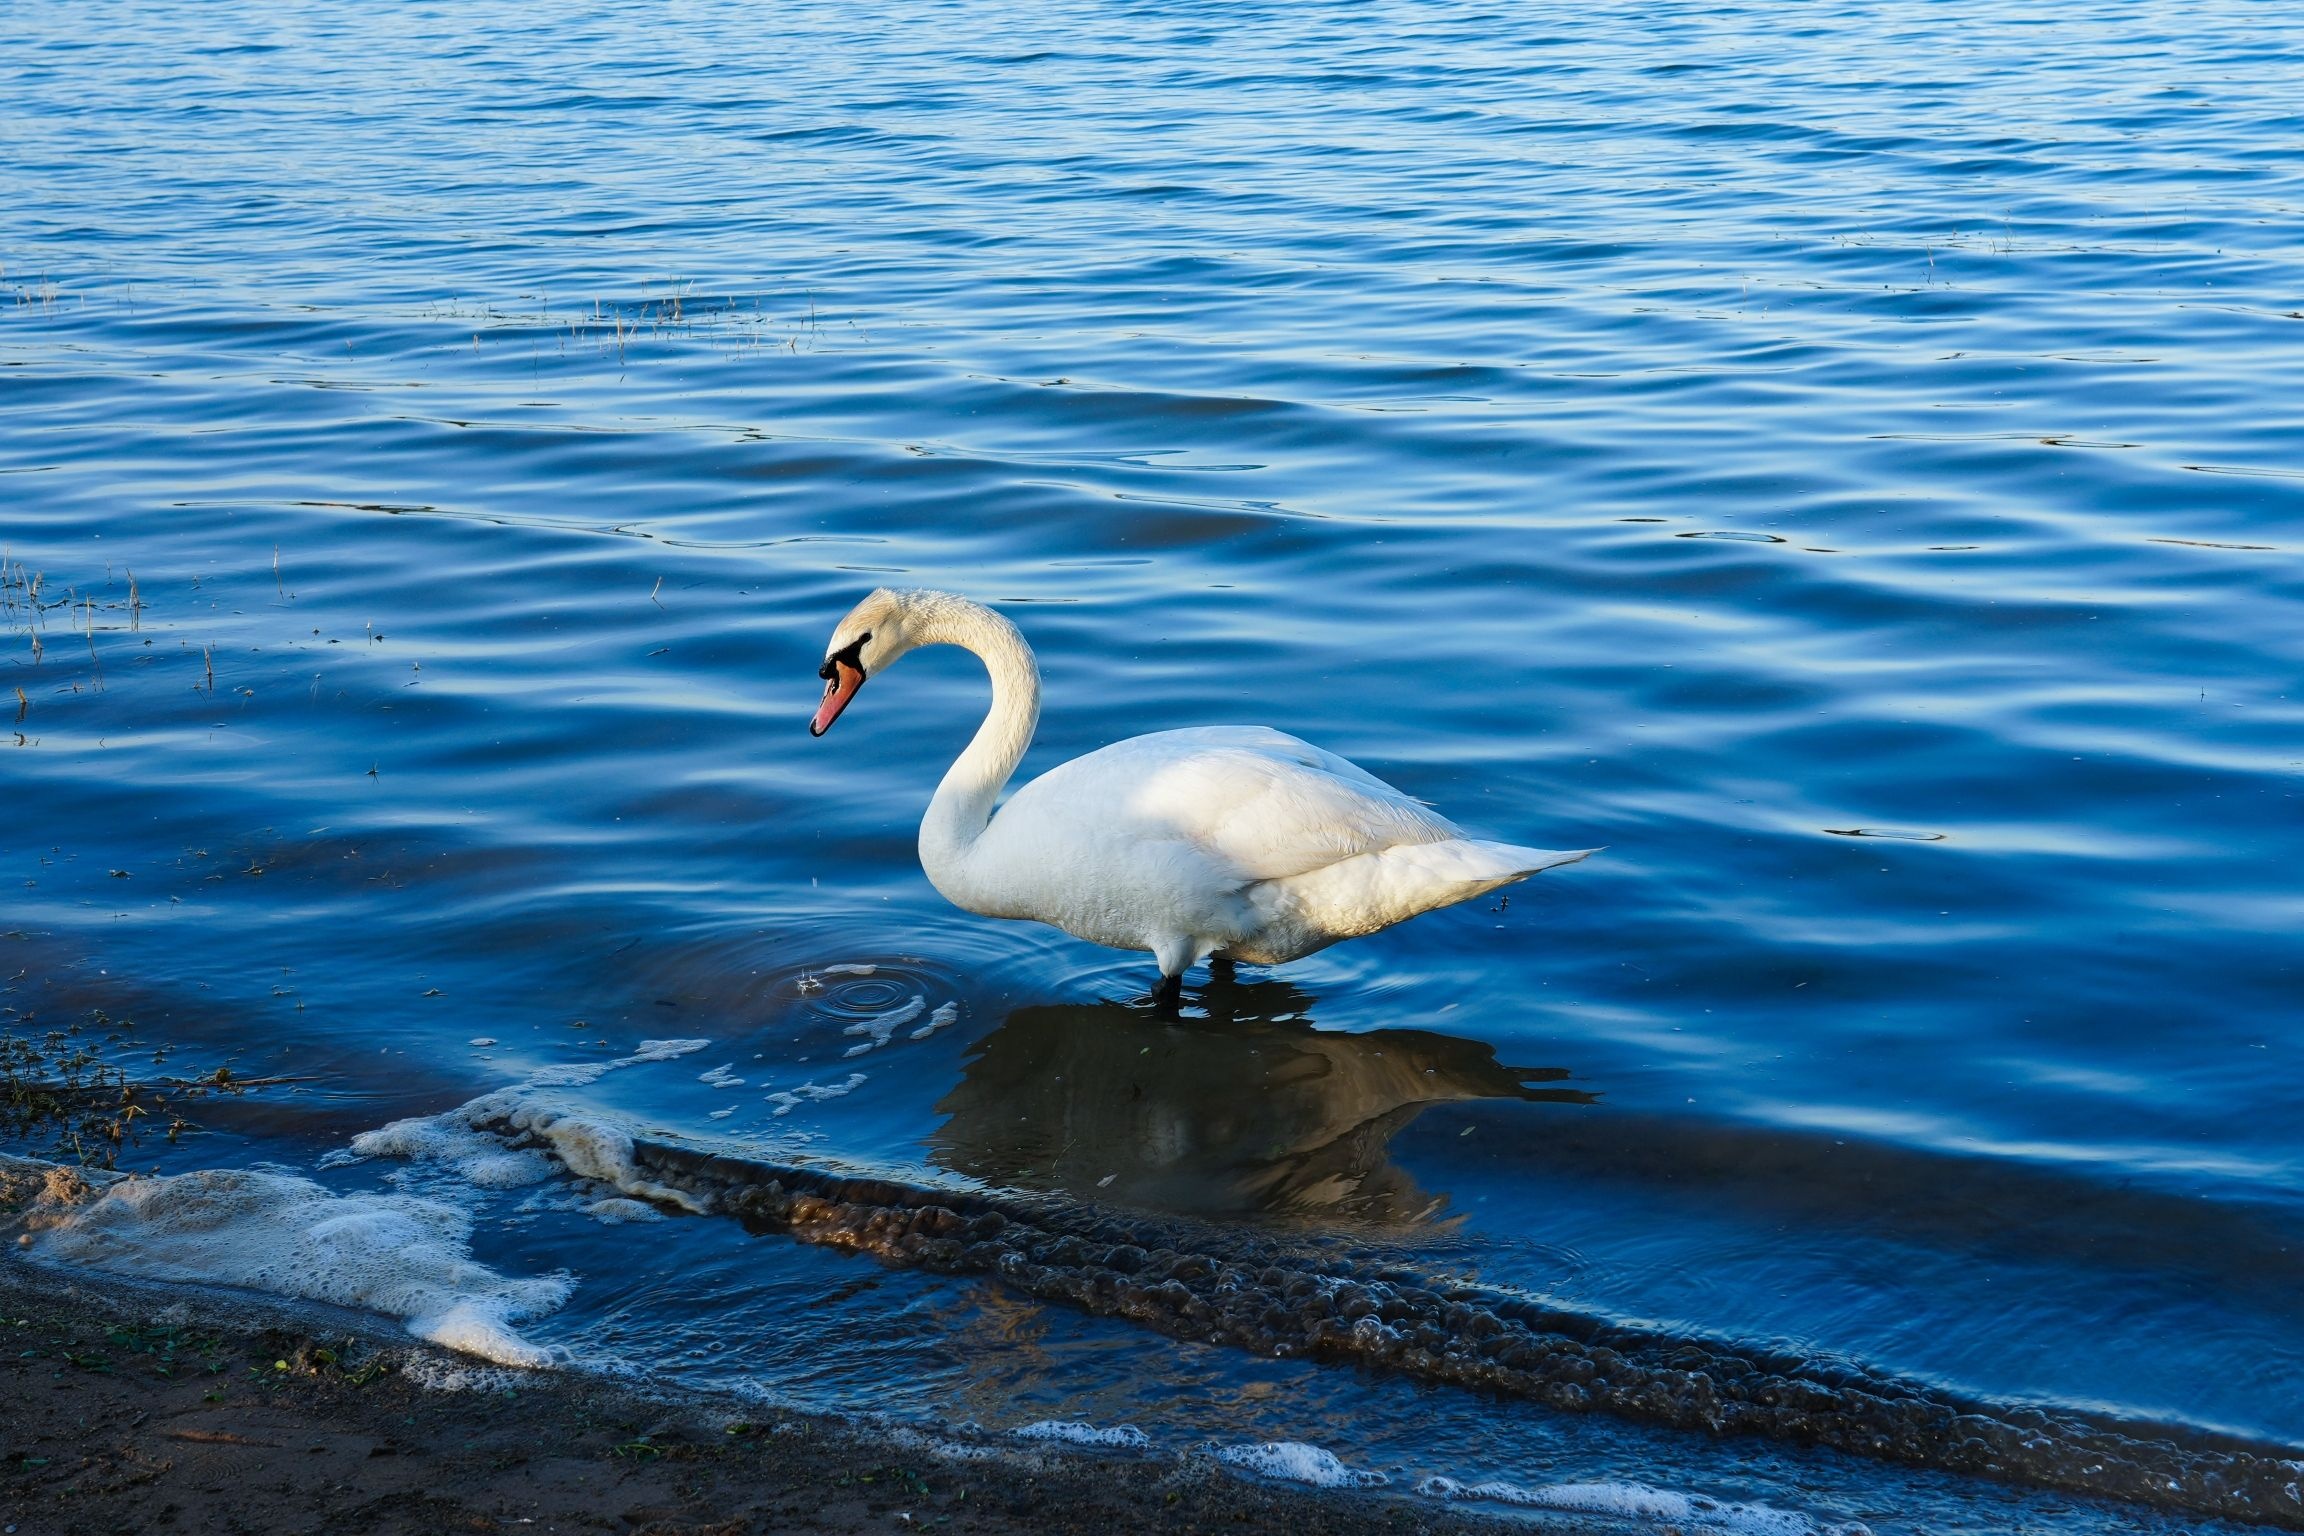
(127, 1408)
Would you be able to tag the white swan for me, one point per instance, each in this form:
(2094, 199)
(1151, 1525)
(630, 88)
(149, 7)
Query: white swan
(1232, 842)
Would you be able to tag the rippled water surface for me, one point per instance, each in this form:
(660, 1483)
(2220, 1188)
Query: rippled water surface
(1845, 459)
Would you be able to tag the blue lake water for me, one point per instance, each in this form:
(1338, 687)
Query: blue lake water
(1846, 459)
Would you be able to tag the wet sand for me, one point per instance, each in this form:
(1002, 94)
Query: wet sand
(131, 1408)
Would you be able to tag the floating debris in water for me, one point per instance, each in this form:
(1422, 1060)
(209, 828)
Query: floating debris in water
(1888, 832)
(808, 982)
(62, 1093)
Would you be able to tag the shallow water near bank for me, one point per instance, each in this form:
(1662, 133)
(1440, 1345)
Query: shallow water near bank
(1844, 462)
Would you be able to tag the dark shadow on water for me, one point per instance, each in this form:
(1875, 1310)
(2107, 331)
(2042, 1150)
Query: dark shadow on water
(1251, 1111)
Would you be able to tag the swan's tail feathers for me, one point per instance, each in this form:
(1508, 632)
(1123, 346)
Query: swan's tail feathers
(1375, 890)
(1527, 861)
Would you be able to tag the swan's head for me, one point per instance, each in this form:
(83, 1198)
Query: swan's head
(870, 638)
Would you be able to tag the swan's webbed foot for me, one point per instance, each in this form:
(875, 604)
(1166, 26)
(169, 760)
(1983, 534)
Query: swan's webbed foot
(1168, 996)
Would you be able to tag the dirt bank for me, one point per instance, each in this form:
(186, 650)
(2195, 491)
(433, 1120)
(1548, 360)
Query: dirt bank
(124, 1408)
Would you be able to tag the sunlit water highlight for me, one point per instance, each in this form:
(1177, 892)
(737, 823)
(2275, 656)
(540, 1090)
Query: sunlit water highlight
(1843, 459)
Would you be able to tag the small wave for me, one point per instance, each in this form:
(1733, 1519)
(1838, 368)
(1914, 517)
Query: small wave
(1638, 1501)
(1295, 1462)
(482, 1161)
(588, 1146)
(1220, 1284)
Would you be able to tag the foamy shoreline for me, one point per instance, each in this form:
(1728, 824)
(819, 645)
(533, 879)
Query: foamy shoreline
(139, 1403)
(144, 1394)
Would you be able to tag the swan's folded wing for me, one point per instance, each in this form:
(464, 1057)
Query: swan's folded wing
(1265, 805)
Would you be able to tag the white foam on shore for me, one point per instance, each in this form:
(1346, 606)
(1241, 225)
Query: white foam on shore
(586, 1143)
(400, 1253)
(434, 1374)
(1638, 1501)
(478, 1159)
(266, 1230)
(1073, 1432)
(942, 1449)
(1295, 1462)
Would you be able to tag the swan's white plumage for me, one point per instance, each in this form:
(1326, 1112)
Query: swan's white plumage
(1235, 841)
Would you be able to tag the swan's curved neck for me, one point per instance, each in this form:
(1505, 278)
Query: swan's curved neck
(963, 805)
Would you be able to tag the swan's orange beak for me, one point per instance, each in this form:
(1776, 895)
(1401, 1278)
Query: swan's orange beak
(841, 680)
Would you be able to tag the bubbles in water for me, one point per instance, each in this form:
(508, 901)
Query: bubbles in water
(880, 1026)
(789, 1100)
(1638, 1501)
(575, 1074)
(1073, 1432)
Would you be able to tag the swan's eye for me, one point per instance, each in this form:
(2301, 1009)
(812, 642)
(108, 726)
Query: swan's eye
(853, 655)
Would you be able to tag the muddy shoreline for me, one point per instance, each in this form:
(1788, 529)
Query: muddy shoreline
(129, 1407)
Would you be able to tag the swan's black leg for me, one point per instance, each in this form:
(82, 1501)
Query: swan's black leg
(1168, 997)
(1221, 969)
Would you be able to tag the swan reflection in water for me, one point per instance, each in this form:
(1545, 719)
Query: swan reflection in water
(1252, 1111)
